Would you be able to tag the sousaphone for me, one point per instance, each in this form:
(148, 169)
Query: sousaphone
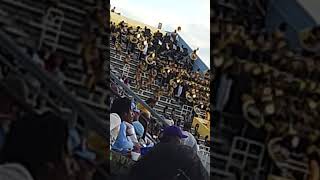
(150, 59)
(133, 39)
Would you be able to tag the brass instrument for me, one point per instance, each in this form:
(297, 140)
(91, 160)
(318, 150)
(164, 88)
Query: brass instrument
(118, 45)
(142, 38)
(144, 66)
(165, 70)
(173, 83)
(133, 39)
(194, 55)
(140, 46)
(197, 110)
(251, 112)
(154, 73)
(150, 59)
(189, 97)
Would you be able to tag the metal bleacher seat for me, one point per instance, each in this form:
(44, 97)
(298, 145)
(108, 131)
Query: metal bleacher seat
(66, 41)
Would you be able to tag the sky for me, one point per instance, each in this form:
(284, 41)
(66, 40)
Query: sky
(193, 16)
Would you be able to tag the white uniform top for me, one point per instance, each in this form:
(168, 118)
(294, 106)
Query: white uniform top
(145, 50)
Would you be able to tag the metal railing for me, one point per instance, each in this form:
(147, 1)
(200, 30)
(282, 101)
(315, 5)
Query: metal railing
(158, 118)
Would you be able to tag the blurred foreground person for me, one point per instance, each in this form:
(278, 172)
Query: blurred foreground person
(172, 134)
(13, 92)
(190, 140)
(170, 162)
(126, 139)
(36, 149)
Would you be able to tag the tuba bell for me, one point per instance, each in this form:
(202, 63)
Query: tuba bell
(194, 55)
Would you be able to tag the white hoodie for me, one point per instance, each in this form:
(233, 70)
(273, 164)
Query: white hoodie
(12, 171)
(115, 122)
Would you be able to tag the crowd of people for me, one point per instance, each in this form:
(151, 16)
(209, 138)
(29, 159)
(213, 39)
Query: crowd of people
(127, 137)
(166, 63)
(275, 88)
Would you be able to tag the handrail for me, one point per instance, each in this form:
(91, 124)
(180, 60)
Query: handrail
(90, 118)
(130, 92)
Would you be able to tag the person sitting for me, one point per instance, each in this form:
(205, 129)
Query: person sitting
(126, 138)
